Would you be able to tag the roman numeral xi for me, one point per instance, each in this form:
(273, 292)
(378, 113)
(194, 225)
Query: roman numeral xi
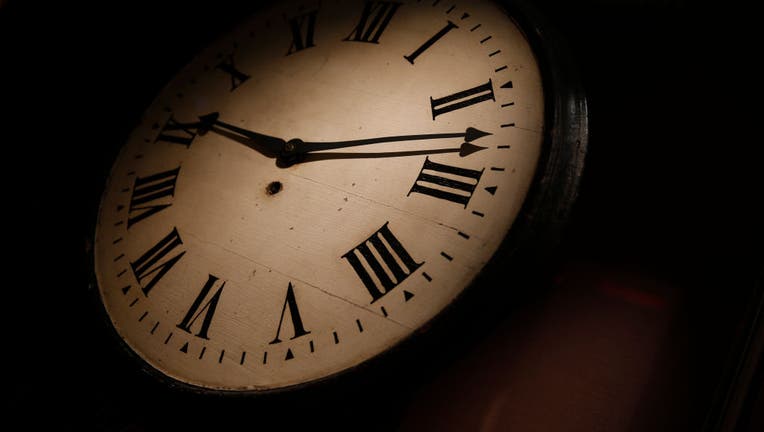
(237, 77)
(388, 248)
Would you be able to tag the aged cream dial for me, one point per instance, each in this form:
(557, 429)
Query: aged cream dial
(316, 186)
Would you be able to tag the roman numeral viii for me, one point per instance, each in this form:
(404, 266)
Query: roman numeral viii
(149, 195)
(396, 262)
(375, 17)
(302, 23)
(462, 99)
(157, 261)
(457, 188)
(199, 307)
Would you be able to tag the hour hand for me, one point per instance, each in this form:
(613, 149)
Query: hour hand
(266, 144)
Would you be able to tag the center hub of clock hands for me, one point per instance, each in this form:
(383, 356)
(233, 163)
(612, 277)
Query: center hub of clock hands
(288, 153)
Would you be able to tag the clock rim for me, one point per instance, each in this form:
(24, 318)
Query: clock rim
(534, 233)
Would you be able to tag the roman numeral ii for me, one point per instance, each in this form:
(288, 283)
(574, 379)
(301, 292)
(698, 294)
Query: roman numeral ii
(462, 99)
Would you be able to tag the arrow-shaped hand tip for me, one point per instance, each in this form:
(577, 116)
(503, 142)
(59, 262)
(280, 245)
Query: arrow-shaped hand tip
(473, 134)
(467, 149)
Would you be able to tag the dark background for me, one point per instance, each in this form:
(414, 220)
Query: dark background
(634, 323)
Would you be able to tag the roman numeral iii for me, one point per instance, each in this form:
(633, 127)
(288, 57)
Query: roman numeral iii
(149, 195)
(375, 17)
(387, 246)
(457, 188)
(462, 99)
(199, 307)
(303, 28)
(157, 261)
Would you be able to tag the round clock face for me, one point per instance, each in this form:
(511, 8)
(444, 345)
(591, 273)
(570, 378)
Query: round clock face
(317, 186)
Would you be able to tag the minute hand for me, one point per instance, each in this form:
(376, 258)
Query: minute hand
(299, 147)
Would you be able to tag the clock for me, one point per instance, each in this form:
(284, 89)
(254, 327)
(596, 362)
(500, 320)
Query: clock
(324, 181)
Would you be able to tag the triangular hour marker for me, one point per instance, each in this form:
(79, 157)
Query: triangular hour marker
(507, 85)
(492, 189)
(125, 289)
(407, 295)
(184, 348)
(120, 207)
(465, 16)
(289, 355)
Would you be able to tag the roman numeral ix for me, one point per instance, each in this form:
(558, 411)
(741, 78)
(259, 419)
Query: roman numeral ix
(391, 251)
(149, 193)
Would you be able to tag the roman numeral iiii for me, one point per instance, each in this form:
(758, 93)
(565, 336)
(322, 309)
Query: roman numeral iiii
(388, 248)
